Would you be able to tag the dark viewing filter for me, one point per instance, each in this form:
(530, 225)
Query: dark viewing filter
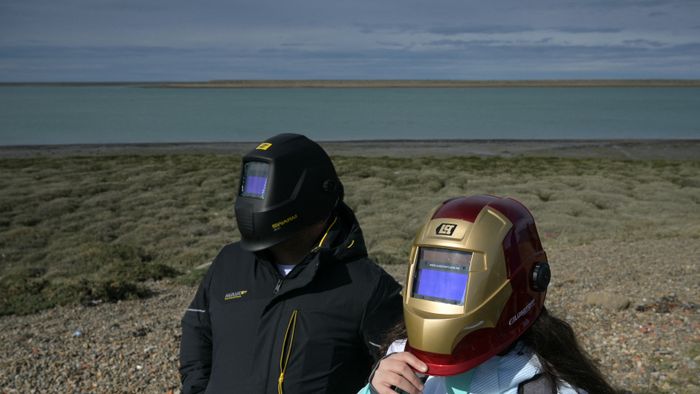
(442, 275)
(254, 180)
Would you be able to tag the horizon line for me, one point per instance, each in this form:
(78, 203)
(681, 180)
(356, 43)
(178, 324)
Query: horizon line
(358, 141)
(385, 83)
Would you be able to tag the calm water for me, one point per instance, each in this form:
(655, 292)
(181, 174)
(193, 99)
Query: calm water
(60, 115)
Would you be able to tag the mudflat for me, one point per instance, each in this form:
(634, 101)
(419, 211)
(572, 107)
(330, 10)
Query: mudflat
(101, 247)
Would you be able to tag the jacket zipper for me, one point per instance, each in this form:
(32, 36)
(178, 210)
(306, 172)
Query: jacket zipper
(277, 286)
(276, 290)
(287, 349)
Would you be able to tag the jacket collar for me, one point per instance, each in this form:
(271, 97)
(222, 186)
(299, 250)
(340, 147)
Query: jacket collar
(341, 241)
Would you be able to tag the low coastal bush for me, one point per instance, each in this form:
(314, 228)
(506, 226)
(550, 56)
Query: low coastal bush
(193, 277)
(29, 290)
(97, 229)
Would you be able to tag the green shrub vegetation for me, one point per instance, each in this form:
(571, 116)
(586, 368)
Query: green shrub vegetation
(96, 229)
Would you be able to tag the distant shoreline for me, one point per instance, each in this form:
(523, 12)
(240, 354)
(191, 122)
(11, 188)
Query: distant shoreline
(283, 84)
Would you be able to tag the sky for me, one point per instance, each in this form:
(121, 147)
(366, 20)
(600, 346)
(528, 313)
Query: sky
(199, 40)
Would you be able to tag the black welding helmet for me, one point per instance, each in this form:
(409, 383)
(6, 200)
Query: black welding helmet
(287, 183)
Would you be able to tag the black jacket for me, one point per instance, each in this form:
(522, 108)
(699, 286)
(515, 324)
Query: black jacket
(330, 310)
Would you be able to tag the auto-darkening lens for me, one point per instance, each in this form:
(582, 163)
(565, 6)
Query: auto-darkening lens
(254, 181)
(442, 275)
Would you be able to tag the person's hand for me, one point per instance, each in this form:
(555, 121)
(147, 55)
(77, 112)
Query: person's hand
(396, 371)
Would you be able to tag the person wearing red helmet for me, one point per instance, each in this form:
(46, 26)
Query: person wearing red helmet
(474, 313)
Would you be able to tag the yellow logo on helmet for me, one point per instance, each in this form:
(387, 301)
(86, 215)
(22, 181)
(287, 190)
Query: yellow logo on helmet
(278, 225)
(264, 146)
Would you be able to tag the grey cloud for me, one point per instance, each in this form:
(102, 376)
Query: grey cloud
(690, 48)
(466, 43)
(91, 53)
(272, 39)
(644, 43)
(494, 51)
(454, 30)
(447, 30)
(371, 28)
(633, 3)
(480, 59)
(582, 29)
(625, 51)
(391, 44)
(129, 5)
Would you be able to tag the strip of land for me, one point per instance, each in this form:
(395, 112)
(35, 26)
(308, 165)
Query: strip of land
(385, 83)
(428, 83)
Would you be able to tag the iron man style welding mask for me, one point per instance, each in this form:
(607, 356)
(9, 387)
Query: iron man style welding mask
(476, 281)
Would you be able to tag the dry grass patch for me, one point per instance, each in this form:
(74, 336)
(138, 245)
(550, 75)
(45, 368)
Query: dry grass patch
(73, 228)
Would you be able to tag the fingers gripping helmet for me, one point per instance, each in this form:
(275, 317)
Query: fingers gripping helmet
(287, 183)
(477, 280)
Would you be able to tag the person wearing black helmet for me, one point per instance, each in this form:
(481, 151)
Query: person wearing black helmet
(296, 305)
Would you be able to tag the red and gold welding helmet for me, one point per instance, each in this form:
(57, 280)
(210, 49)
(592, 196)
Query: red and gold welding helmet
(477, 280)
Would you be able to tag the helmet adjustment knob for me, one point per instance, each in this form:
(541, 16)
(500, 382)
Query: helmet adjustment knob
(541, 276)
(330, 186)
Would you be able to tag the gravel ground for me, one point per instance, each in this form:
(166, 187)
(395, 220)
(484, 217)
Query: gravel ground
(634, 306)
(636, 310)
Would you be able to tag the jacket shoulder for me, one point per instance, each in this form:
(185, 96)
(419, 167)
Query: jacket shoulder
(229, 252)
(364, 268)
(230, 261)
(232, 248)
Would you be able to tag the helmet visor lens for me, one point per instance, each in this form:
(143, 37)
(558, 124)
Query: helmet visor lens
(441, 275)
(254, 180)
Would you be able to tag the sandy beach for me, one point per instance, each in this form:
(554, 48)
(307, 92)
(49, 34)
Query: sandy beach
(101, 246)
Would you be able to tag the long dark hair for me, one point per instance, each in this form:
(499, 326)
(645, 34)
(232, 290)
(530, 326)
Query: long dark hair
(555, 344)
(562, 358)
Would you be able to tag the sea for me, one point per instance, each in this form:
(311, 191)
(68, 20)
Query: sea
(40, 115)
